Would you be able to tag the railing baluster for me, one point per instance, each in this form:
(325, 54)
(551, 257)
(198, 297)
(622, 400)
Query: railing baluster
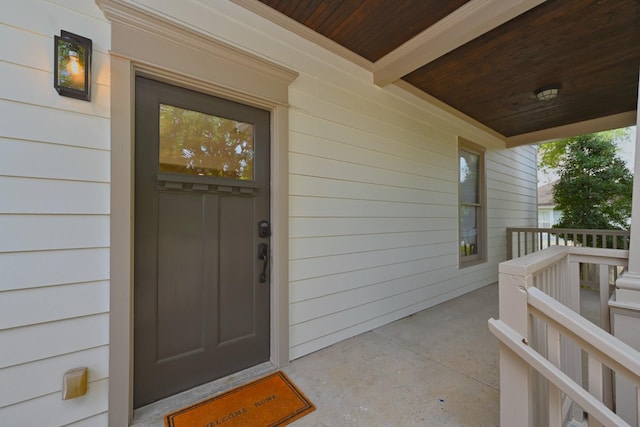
(605, 323)
(557, 272)
(573, 353)
(540, 241)
(555, 395)
(637, 400)
(604, 297)
(595, 383)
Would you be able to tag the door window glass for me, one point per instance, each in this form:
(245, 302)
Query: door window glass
(196, 143)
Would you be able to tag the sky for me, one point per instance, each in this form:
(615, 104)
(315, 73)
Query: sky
(628, 149)
(627, 153)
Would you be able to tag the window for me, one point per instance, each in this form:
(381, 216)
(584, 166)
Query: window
(472, 205)
(196, 143)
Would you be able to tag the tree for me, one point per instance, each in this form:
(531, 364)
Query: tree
(197, 143)
(595, 186)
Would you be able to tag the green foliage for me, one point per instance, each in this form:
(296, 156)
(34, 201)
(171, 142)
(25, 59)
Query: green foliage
(552, 155)
(595, 186)
(201, 144)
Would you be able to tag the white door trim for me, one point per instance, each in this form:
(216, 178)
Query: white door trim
(153, 46)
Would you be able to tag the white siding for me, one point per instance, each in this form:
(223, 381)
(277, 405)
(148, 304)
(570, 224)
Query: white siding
(54, 219)
(373, 201)
(511, 197)
(373, 188)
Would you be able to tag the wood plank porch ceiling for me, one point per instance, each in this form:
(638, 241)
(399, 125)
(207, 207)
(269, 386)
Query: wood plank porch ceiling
(486, 58)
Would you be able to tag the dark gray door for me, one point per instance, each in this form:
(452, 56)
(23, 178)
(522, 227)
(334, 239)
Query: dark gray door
(201, 285)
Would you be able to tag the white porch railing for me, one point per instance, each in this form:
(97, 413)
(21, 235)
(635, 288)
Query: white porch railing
(540, 329)
(523, 241)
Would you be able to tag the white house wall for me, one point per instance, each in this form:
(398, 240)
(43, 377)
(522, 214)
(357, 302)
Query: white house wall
(373, 201)
(54, 219)
(373, 187)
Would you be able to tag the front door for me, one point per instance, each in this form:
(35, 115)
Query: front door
(201, 281)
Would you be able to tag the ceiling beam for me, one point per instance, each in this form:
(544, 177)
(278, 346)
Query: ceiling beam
(468, 22)
(615, 121)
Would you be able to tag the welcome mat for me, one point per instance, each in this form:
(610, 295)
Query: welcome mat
(270, 401)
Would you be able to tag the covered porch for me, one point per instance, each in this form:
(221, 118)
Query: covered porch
(366, 141)
(443, 365)
(376, 384)
(438, 367)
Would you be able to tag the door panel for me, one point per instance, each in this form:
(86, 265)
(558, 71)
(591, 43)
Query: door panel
(202, 181)
(236, 285)
(181, 290)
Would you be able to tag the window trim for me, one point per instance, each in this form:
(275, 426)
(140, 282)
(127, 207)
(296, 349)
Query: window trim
(481, 255)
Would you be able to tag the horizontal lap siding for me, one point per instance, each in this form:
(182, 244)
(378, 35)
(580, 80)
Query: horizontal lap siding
(53, 268)
(511, 196)
(373, 184)
(373, 201)
(373, 228)
(59, 412)
(54, 219)
(373, 211)
(48, 373)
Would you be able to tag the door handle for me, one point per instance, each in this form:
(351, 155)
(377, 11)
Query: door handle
(263, 254)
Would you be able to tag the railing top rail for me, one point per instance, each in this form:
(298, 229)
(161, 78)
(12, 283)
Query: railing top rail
(536, 261)
(533, 262)
(586, 231)
(599, 255)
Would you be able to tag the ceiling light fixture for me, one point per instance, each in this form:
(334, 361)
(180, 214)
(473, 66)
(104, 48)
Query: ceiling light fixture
(547, 93)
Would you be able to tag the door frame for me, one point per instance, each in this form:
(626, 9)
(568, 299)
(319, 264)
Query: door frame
(148, 45)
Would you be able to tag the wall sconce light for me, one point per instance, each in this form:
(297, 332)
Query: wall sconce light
(72, 70)
(547, 93)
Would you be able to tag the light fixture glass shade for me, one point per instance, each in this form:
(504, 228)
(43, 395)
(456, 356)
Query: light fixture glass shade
(547, 93)
(72, 69)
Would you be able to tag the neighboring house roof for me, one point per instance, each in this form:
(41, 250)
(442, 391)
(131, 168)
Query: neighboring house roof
(545, 194)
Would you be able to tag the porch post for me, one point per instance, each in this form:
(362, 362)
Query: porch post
(515, 406)
(625, 304)
(628, 285)
(631, 279)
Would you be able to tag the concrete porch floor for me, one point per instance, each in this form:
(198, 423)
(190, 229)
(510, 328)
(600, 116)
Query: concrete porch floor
(438, 367)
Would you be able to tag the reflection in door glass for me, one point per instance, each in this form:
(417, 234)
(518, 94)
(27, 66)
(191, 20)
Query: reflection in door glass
(195, 143)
